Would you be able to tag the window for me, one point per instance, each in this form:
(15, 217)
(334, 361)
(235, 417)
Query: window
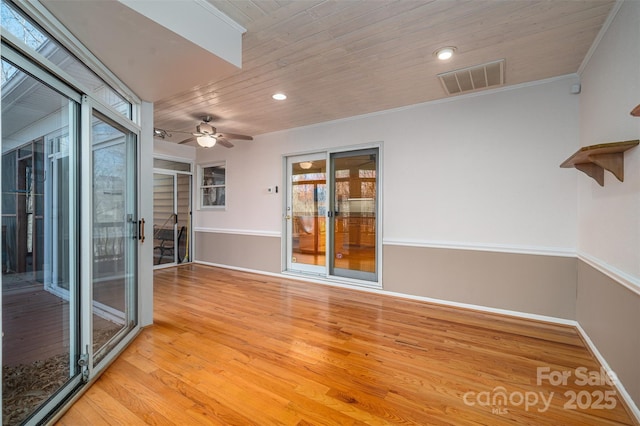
(16, 23)
(213, 183)
(179, 166)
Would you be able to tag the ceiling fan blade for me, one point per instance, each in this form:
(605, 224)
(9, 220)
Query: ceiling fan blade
(224, 142)
(234, 136)
(191, 139)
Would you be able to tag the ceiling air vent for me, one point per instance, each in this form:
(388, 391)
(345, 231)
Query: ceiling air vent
(469, 79)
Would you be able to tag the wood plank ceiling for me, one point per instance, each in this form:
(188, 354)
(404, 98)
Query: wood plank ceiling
(341, 58)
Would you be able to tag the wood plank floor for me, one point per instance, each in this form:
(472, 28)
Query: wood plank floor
(232, 348)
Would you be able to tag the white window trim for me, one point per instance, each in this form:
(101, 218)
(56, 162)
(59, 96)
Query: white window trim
(201, 168)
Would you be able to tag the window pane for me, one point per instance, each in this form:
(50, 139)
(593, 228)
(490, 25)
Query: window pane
(355, 200)
(213, 196)
(114, 246)
(16, 23)
(212, 185)
(40, 347)
(214, 175)
(163, 219)
(159, 163)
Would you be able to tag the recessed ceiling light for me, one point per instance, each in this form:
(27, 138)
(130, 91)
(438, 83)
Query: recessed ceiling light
(444, 53)
(279, 96)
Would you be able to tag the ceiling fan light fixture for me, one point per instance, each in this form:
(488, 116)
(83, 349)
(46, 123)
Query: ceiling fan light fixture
(279, 96)
(206, 141)
(444, 53)
(206, 128)
(306, 165)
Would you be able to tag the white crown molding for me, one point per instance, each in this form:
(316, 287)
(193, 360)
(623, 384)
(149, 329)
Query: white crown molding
(499, 248)
(221, 15)
(453, 98)
(600, 36)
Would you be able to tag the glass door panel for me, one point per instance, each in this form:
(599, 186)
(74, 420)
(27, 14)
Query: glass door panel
(306, 214)
(58, 223)
(41, 341)
(183, 211)
(114, 231)
(164, 219)
(172, 217)
(354, 210)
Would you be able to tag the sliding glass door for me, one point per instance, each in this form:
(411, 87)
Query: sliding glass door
(171, 212)
(70, 230)
(41, 342)
(331, 215)
(114, 233)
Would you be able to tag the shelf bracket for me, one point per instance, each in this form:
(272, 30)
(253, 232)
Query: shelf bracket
(612, 162)
(593, 171)
(595, 159)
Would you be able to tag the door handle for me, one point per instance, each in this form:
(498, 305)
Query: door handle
(141, 230)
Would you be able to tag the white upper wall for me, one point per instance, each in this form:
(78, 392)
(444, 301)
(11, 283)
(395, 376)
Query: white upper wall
(609, 216)
(480, 170)
(174, 151)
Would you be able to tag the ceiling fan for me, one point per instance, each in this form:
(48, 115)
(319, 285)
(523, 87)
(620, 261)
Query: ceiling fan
(206, 135)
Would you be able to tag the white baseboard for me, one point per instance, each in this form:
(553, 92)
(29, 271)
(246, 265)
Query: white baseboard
(603, 362)
(320, 280)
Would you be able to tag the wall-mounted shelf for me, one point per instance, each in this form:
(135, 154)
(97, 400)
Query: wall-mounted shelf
(594, 159)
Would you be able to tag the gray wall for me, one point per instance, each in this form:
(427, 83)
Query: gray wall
(536, 284)
(610, 315)
(543, 285)
(260, 253)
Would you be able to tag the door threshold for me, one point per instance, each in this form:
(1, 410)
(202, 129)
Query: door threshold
(332, 280)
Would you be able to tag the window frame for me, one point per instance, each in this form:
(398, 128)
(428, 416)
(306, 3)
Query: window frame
(47, 23)
(202, 186)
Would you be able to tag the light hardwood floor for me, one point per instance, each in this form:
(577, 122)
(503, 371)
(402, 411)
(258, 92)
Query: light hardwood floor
(233, 348)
